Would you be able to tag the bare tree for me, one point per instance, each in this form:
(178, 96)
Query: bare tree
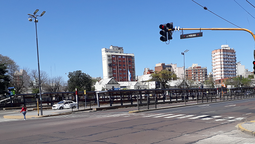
(34, 80)
(21, 80)
(64, 87)
(54, 84)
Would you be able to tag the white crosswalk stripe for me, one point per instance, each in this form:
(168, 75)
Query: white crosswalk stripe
(153, 115)
(207, 118)
(216, 116)
(185, 116)
(174, 116)
(198, 117)
(220, 119)
(162, 115)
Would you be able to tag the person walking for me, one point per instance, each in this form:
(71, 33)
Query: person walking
(24, 111)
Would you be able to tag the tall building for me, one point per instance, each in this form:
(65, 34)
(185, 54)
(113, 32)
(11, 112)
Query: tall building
(196, 73)
(162, 66)
(118, 64)
(224, 62)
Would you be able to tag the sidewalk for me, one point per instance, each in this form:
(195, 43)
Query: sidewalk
(46, 113)
(247, 127)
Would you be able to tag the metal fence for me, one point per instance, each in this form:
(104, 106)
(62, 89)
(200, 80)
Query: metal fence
(143, 99)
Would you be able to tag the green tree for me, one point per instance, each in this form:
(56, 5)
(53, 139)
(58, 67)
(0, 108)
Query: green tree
(210, 82)
(11, 66)
(246, 82)
(79, 80)
(163, 77)
(250, 76)
(4, 79)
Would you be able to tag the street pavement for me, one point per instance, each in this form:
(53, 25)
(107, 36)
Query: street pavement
(247, 127)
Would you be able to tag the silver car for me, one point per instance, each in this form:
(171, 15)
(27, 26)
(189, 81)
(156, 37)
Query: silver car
(64, 104)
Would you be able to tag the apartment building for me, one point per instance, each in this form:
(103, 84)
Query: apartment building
(179, 71)
(162, 66)
(118, 64)
(224, 62)
(196, 73)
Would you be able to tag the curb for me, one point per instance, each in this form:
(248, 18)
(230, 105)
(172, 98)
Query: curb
(240, 127)
(36, 116)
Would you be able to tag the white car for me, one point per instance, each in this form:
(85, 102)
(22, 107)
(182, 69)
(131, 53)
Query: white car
(64, 104)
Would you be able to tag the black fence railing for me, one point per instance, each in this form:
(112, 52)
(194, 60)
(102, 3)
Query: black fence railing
(143, 98)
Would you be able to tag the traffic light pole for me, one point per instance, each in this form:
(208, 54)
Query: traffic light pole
(236, 29)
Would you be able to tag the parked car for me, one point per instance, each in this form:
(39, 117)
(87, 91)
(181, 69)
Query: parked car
(64, 104)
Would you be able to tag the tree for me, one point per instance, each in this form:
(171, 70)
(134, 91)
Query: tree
(163, 77)
(10, 64)
(250, 76)
(79, 80)
(54, 84)
(246, 82)
(21, 80)
(210, 82)
(4, 79)
(34, 80)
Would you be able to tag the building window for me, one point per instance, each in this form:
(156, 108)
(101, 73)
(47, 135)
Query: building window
(119, 56)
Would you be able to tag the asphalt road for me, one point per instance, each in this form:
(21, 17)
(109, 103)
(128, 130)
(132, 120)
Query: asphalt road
(201, 124)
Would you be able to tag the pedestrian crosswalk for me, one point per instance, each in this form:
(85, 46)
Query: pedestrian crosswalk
(216, 118)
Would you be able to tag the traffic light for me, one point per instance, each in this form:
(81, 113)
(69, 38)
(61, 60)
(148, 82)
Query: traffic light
(254, 67)
(169, 27)
(163, 32)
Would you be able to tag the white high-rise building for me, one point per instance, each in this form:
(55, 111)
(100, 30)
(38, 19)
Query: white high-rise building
(118, 64)
(224, 62)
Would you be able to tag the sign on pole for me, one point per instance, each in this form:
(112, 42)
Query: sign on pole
(191, 35)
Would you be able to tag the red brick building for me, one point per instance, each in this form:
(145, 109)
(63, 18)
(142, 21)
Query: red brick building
(196, 73)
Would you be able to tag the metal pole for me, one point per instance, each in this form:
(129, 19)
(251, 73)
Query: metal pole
(40, 90)
(184, 78)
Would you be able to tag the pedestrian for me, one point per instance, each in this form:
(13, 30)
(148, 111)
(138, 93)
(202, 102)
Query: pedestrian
(24, 111)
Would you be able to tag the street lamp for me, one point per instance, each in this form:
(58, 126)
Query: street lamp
(31, 17)
(183, 53)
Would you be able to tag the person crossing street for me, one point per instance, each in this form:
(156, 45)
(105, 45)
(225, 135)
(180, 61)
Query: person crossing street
(24, 111)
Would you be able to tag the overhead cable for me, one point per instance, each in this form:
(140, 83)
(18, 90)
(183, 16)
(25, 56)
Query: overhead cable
(244, 9)
(205, 8)
(250, 3)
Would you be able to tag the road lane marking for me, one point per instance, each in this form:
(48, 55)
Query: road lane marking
(174, 116)
(198, 117)
(206, 118)
(153, 115)
(162, 115)
(230, 105)
(185, 116)
(220, 119)
(216, 116)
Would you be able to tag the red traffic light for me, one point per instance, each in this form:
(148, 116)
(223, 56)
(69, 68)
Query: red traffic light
(254, 62)
(162, 27)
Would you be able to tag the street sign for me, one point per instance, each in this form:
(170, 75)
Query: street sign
(191, 35)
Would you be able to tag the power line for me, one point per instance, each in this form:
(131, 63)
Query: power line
(250, 3)
(205, 8)
(244, 9)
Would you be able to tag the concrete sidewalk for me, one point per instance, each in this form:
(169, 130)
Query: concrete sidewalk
(247, 127)
(46, 113)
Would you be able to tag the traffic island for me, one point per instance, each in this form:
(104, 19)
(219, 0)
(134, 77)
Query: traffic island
(247, 127)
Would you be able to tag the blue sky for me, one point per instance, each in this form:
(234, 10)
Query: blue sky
(73, 32)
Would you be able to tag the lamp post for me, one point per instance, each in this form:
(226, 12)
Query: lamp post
(183, 53)
(31, 17)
